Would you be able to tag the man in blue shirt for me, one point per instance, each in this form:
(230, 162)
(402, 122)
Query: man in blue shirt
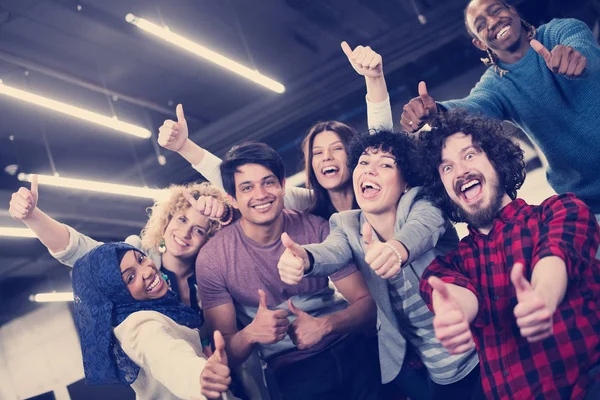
(546, 80)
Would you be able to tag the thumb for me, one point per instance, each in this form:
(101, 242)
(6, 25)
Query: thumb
(220, 352)
(292, 246)
(541, 50)
(423, 89)
(293, 309)
(440, 287)
(518, 280)
(346, 49)
(262, 303)
(34, 185)
(179, 112)
(369, 237)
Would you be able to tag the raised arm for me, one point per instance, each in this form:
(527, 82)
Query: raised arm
(64, 243)
(369, 64)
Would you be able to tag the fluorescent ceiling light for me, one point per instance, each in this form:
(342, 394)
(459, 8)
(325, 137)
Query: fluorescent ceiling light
(76, 112)
(199, 50)
(95, 186)
(51, 297)
(17, 232)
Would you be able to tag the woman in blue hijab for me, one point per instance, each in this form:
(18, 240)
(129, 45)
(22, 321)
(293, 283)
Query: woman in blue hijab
(134, 330)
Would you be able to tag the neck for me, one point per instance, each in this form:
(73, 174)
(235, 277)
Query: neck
(516, 54)
(183, 269)
(486, 229)
(263, 234)
(383, 223)
(343, 198)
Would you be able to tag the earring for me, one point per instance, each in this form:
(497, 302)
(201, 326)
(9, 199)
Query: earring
(406, 189)
(162, 248)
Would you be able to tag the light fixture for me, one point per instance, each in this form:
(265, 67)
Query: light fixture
(17, 232)
(95, 186)
(76, 112)
(206, 53)
(51, 297)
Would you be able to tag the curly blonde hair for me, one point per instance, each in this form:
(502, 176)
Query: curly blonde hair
(163, 210)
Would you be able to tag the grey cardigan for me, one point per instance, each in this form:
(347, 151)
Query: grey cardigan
(426, 235)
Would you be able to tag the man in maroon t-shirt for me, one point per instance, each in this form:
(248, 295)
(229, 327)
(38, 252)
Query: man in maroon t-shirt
(308, 334)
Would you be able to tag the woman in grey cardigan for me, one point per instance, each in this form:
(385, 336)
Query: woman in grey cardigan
(384, 239)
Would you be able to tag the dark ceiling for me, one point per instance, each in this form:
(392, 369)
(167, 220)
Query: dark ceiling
(85, 53)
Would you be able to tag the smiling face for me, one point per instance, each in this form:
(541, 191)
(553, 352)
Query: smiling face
(141, 276)
(495, 26)
(378, 183)
(186, 233)
(330, 160)
(471, 181)
(258, 194)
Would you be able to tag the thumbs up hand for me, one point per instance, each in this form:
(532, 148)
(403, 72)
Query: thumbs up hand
(207, 206)
(172, 135)
(380, 257)
(306, 331)
(562, 60)
(268, 326)
(418, 110)
(216, 376)
(24, 201)
(450, 323)
(293, 262)
(364, 60)
(534, 316)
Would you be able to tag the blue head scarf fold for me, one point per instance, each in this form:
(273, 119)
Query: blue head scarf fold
(102, 301)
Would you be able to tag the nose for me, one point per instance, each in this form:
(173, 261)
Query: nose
(492, 20)
(328, 155)
(188, 232)
(147, 270)
(260, 192)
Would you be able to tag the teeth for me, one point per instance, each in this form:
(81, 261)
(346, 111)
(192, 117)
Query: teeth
(329, 169)
(179, 241)
(469, 185)
(371, 185)
(263, 206)
(502, 32)
(154, 283)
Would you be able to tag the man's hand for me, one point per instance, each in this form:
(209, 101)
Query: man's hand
(418, 110)
(450, 323)
(534, 316)
(378, 255)
(268, 326)
(173, 135)
(216, 376)
(208, 206)
(24, 201)
(364, 60)
(562, 60)
(293, 262)
(305, 331)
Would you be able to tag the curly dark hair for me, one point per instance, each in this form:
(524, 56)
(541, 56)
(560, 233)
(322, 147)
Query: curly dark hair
(399, 144)
(504, 154)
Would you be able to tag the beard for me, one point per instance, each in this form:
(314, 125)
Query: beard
(484, 216)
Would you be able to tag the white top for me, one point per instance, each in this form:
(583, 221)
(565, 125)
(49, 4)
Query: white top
(379, 117)
(169, 355)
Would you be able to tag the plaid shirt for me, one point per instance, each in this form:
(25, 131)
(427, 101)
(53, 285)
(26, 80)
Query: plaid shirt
(512, 368)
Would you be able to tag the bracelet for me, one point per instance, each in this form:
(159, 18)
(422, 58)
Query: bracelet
(229, 216)
(395, 252)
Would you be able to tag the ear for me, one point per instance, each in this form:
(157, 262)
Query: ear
(283, 185)
(232, 201)
(479, 44)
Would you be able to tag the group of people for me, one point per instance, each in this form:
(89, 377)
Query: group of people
(227, 292)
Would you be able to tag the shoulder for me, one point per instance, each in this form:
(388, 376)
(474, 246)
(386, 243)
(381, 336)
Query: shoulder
(558, 24)
(343, 219)
(565, 201)
(303, 218)
(142, 320)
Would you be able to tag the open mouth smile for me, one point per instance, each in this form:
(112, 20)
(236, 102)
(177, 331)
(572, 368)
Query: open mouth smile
(470, 190)
(156, 284)
(369, 189)
(329, 171)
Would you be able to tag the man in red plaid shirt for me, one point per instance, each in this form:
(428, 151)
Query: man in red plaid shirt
(523, 286)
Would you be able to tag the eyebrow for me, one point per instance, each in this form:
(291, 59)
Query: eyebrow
(126, 270)
(260, 180)
(487, 10)
(444, 160)
(331, 144)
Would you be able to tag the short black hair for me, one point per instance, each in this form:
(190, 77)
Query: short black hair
(250, 153)
(488, 134)
(399, 144)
